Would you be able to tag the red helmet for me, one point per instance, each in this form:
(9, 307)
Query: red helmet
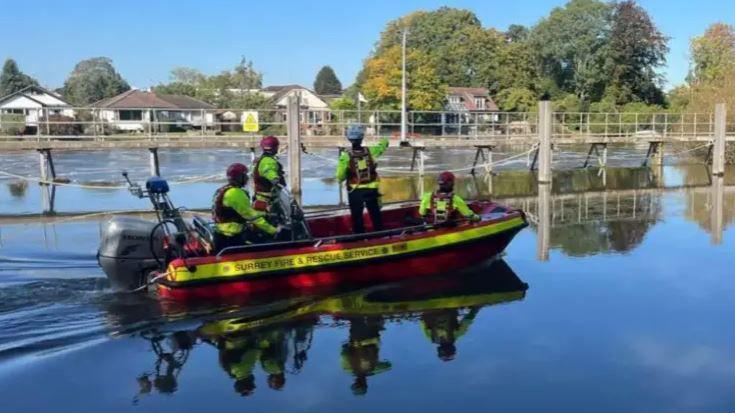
(446, 178)
(269, 144)
(237, 172)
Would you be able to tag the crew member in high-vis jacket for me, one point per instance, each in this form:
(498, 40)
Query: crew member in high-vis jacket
(359, 168)
(267, 174)
(443, 205)
(235, 219)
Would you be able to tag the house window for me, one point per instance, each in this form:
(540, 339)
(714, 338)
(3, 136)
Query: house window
(15, 111)
(454, 99)
(131, 115)
(480, 103)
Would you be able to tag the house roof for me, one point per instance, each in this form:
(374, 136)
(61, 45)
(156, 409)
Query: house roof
(468, 95)
(474, 91)
(279, 88)
(138, 99)
(30, 91)
(281, 91)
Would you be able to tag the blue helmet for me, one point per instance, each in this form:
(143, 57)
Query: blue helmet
(355, 132)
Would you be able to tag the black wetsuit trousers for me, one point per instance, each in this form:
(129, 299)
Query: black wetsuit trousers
(359, 199)
(222, 241)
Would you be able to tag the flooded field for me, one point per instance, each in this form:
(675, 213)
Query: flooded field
(618, 297)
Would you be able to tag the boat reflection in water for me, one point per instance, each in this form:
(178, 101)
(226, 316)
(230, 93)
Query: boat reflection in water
(276, 337)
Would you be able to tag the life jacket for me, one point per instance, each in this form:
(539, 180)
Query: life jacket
(362, 168)
(222, 214)
(262, 185)
(442, 207)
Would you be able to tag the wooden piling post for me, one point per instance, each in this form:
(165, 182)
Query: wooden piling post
(717, 213)
(658, 154)
(294, 145)
(543, 231)
(46, 163)
(342, 188)
(718, 159)
(421, 157)
(489, 161)
(153, 162)
(544, 136)
(43, 165)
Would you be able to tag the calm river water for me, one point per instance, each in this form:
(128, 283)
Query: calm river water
(621, 300)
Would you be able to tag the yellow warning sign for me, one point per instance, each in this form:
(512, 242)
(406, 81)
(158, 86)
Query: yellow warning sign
(250, 122)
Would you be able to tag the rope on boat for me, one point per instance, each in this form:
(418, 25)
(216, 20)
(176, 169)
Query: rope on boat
(324, 158)
(149, 282)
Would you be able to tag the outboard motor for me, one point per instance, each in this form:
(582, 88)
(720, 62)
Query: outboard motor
(289, 214)
(131, 248)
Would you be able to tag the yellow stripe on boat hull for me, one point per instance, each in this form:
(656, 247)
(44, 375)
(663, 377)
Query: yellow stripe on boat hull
(237, 268)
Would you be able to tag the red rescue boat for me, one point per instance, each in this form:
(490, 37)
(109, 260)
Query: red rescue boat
(174, 254)
(336, 256)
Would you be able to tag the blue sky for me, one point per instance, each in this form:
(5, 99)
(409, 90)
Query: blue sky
(287, 40)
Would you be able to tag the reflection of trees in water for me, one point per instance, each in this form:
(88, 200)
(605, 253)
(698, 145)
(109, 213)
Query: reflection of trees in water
(519, 183)
(606, 225)
(596, 237)
(699, 203)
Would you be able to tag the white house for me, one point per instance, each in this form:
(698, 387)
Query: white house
(314, 109)
(35, 103)
(466, 105)
(137, 110)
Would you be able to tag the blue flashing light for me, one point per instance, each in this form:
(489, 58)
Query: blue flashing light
(156, 185)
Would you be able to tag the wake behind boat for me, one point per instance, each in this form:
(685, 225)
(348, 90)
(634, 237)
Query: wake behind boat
(177, 255)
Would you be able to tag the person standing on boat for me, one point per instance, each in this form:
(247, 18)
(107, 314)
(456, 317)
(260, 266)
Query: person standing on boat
(443, 205)
(234, 216)
(359, 168)
(267, 174)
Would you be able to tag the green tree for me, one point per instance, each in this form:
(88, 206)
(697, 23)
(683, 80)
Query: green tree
(516, 33)
(13, 80)
(176, 88)
(326, 82)
(713, 53)
(571, 44)
(343, 103)
(382, 85)
(463, 51)
(517, 100)
(679, 97)
(636, 49)
(93, 80)
(245, 77)
(227, 89)
(569, 103)
(515, 68)
(187, 76)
